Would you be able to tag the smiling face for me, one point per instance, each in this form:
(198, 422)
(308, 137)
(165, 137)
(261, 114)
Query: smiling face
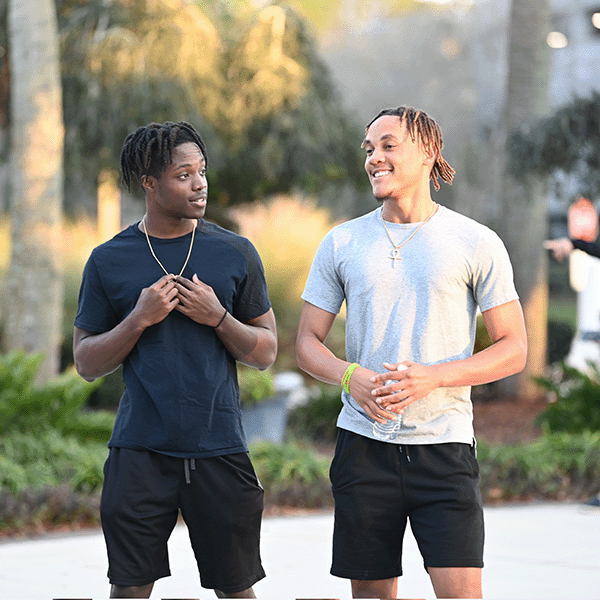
(396, 164)
(180, 192)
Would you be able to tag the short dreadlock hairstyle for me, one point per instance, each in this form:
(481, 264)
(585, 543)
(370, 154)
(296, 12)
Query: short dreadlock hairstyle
(149, 150)
(429, 136)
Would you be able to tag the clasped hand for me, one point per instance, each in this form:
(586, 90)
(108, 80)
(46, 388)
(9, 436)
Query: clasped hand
(397, 389)
(193, 298)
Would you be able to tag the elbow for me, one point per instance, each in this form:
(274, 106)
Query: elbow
(268, 360)
(262, 359)
(519, 361)
(84, 371)
(84, 374)
(300, 357)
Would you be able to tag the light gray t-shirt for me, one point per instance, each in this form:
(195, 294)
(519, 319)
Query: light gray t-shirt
(421, 308)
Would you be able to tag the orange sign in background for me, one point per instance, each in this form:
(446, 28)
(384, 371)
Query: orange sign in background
(583, 220)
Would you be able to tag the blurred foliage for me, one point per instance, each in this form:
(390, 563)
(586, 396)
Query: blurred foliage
(260, 94)
(29, 460)
(292, 474)
(286, 463)
(482, 337)
(566, 142)
(254, 385)
(56, 406)
(557, 466)
(574, 399)
(287, 232)
(316, 419)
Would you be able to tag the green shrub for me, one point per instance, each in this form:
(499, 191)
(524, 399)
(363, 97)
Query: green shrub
(555, 466)
(292, 474)
(27, 407)
(316, 420)
(47, 459)
(575, 405)
(292, 462)
(254, 385)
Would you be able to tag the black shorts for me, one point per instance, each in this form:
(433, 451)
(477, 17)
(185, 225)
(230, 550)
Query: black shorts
(377, 486)
(220, 500)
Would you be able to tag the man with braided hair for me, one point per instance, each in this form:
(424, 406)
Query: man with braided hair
(413, 274)
(177, 301)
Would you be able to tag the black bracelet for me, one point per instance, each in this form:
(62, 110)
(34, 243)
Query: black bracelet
(222, 319)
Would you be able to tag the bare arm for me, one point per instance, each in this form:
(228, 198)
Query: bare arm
(98, 354)
(506, 356)
(560, 247)
(317, 360)
(253, 343)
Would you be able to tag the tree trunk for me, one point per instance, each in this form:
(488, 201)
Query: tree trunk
(523, 222)
(109, 205)
(34, 284)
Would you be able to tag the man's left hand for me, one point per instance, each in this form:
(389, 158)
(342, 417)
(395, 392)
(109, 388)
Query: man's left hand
(198, 301)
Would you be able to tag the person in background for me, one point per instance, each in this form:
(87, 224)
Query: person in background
(176, 301)
(561, 248)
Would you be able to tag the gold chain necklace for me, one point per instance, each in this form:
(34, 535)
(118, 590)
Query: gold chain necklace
(156, 257)
(395, 255)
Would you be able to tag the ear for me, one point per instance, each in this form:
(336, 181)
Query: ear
(148, 183)
(430, 156)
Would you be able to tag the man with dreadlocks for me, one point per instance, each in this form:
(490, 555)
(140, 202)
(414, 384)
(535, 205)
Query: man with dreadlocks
(177, 301)
(412, 274)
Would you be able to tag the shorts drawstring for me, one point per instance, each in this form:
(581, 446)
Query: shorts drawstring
(187, 463)
(406, 449)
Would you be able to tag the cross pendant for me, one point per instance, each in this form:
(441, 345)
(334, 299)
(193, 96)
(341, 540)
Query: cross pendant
(395, 255)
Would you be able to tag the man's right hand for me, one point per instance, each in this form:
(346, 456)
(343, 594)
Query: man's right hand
(560, 247)
(157, 301)
(361, 387)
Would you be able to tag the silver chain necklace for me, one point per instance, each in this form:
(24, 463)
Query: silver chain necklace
(156, 257)
(395, 254)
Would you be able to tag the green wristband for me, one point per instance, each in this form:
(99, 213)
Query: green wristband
(346, 376)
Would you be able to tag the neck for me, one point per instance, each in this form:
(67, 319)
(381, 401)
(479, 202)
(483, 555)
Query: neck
(408, 210)
(162, 228)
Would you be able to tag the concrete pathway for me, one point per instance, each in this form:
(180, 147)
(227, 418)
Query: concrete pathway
(541, 551)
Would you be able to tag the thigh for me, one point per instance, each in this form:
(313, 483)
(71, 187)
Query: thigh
(222, 507)
(138, 512)
(446, 513)
(370, 510)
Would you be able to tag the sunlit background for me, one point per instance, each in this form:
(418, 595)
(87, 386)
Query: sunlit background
(281, 92)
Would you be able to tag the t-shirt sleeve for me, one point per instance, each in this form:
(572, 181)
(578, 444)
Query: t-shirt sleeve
(589, 247)
(493, 279)
(324, 286)
(94, 311)
(252, 299)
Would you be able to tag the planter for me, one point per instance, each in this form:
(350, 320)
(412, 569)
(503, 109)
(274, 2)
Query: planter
(267, 419)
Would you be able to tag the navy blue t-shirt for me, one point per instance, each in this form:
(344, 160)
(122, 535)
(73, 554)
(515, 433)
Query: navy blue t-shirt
(181, 393)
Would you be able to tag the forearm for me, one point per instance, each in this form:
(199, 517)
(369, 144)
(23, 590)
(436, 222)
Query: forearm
(317, 360)
(251, 344)
(101, 354)
(502, 359)
(314, 358)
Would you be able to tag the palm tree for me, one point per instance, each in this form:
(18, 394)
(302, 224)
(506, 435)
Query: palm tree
(523, 222)
(34, 282)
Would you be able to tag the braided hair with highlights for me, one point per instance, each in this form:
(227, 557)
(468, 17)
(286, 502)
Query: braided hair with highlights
(148, 151)
(419, 124)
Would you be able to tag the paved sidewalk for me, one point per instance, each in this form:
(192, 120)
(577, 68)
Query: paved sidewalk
(542, 551)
